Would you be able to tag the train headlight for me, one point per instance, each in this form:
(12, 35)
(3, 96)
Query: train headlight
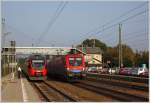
(83, 69)
(32, 72)
(70, 74)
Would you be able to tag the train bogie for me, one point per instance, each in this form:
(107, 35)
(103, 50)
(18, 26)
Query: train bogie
(38, 78)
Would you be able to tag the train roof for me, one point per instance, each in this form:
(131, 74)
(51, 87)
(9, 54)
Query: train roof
(36, 56)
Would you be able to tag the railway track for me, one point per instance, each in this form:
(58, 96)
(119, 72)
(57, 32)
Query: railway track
(110, 91)
(50, 93)
(119, 77)
(126, 84)
(79, 94)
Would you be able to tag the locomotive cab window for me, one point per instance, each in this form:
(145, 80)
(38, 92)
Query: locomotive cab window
(71, 61)
(75, 61)
(78, 62)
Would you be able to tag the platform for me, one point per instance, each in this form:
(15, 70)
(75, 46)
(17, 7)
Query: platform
(17, 90)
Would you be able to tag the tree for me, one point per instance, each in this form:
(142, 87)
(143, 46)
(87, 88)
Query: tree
(145, 58)
(129, 57)
(141, 58)
(94, 43)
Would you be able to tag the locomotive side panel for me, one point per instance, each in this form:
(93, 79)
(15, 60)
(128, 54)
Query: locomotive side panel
(59, 66)
(56, 67)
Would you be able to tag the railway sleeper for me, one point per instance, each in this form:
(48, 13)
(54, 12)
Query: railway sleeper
(112, 93)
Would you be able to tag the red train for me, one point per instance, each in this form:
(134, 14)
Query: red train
(68, 67)
(35, 67)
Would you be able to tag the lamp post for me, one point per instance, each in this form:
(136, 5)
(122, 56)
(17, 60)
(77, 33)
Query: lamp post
(3, 46)
(120, 48)
(13, 60)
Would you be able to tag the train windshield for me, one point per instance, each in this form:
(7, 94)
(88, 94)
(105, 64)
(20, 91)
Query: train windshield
(75, 61)
(37, 63)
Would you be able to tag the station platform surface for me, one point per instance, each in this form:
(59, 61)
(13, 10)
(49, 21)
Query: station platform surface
(17, 90)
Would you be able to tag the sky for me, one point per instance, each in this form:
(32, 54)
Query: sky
(27, 23)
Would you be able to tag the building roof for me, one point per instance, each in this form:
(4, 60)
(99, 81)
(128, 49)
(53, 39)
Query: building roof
(90, 50)
(79, 51)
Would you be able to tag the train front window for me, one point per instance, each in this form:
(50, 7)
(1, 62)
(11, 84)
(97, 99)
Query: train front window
(78, 62)
(75, 61)
(37, 63)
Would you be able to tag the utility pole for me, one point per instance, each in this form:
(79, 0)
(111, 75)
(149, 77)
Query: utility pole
(82, 48)
(32, 42)
(3, 45)
(120, 47)
(13, 58)
(94, 43)
(3, 48)
(3, 23)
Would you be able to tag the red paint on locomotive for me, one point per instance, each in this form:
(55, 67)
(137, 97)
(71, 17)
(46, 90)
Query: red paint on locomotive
(67, 66)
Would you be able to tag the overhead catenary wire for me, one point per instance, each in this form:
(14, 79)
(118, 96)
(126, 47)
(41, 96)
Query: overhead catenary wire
(128, 39)
(53, 20)
(108, 35)
(124, 14)
(112, 29)
(137, 39)
(125, 34)
(137, 34)
(122, 21)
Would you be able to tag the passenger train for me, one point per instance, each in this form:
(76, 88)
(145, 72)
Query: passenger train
(35, 67)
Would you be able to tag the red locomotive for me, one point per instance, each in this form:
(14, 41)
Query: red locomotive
(67, 67)
(36, 67)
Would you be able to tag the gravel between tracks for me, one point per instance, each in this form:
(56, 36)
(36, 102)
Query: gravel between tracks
(121, 89)
(79, 93)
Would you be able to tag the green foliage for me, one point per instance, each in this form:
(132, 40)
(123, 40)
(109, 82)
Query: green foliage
(128, 56)
(112, 54)
(93, 43)
(141, 58)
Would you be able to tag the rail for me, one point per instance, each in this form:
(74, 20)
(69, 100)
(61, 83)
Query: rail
(119, 77)
(66, 95)
(51, 93)
(116, 93)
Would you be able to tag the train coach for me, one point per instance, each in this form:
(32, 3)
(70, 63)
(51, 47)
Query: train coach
(67, 67)
(35, 67)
